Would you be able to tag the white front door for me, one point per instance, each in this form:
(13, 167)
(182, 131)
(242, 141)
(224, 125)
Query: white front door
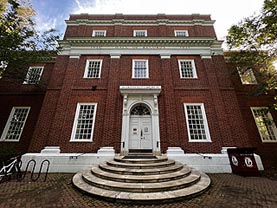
(140, 132)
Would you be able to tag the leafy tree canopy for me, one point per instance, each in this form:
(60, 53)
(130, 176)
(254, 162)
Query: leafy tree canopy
(20, 43)
(255, 41)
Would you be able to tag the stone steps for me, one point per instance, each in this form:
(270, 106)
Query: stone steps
(141, 180)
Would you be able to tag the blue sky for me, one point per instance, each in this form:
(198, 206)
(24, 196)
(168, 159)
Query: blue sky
(52, 13)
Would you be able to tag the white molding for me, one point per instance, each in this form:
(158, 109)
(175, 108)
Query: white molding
(8, 124)
(115, 56)
(206, 126)
(167, 56)
(77, 56)
(72, 138)
(86, 69)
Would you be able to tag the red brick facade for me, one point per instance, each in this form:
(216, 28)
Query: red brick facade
(50, 122)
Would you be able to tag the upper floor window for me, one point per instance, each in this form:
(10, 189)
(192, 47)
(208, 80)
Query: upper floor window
(246, 75)
(33, 75)
(99, 33)
(140, 33)
(197, 124)
(140, 69)
(187, 69)
(15, 124)
(181, 33)
(265, 124)
(93, 69)
(83, 126)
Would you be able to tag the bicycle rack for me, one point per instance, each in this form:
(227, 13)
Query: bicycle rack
(40, 169)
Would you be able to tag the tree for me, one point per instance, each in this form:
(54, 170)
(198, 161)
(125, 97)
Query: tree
(255, 42)
(20, 43)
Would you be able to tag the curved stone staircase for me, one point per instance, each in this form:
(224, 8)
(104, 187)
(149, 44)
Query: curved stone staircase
(142, 180)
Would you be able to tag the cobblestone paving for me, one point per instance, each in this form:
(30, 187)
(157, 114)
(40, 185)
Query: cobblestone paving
(227, 190)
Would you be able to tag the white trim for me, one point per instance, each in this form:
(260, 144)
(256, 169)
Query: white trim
(273, 126)
(102, 31)
(8, 124)
(72, 138)
(193, 69)
(87, 65)
(133, 69)
(135, 33)
(206, 127)
(184, 31)
(26, 80)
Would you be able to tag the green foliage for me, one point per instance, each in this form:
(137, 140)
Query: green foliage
(255, 42)
(20, 43)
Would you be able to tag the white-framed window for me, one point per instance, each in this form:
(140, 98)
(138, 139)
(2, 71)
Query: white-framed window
(33, 75)
(84, 121)
(15, 124)
(197, 125)
(246, 75)
(265, 124)
(181, 33)
(93, 68)
(187, 69)
(140, 69)
(140, 33)
(99, 33)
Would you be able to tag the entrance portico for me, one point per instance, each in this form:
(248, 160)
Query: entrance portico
(140, 119)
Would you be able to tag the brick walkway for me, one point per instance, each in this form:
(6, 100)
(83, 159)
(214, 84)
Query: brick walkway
(227, 190)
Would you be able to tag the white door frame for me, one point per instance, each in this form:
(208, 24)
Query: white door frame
(133, 95)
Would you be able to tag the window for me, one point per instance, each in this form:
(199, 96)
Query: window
(140, 69)
(99, 33)
(246, 75)
(15, 124)
(196, 120)
(140, 33)
(84, 122)
(93, 69)
(33, 75)
(265, 124)
(181, 33)
(187, 69)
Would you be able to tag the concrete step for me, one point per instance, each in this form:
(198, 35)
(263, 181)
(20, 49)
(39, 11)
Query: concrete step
(144, 161)
(141, 178)
(189, 180)
(135, 197)
(141, 165)
(134, 171)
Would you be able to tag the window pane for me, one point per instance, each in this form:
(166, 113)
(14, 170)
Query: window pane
(140, 69)
(33, 75)
(196, 122)
(247, 76)
(84, 125)
(93, 70)
(264, 124)
(187, 69)
(16, 124)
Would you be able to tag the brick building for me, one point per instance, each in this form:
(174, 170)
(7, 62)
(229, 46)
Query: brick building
(134, 82)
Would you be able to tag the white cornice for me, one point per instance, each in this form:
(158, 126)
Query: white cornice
(149, 45)
(140, 22)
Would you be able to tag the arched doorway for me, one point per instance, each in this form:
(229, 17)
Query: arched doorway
(140, 131)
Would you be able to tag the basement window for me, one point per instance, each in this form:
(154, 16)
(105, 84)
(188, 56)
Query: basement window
(84, 122)
(15, 124)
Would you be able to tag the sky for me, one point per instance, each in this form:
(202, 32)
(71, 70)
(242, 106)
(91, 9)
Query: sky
(52, 13)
